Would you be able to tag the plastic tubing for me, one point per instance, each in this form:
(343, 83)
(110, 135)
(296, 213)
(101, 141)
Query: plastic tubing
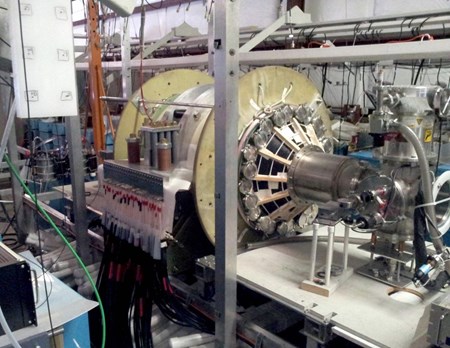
(69, 246)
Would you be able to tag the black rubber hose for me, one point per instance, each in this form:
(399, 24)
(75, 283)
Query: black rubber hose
(420, 231)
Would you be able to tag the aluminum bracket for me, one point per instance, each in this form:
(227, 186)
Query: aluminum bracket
(292, 17)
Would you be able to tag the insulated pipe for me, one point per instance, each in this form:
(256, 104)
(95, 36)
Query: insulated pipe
(427, 187)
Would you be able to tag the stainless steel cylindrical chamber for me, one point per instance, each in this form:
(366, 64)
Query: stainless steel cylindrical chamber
(318, 177)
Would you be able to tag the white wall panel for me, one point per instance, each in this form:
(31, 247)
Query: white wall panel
(43, 63)
(326, 10)
(383, 7)
(160, 22)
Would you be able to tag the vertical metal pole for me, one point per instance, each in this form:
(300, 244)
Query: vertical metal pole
(211, 37)
(226, 71)
(314, 251)
(346, 239)
(78, 193)
(95, 76)
(330, 249)
(17, 189)
(127, 89)
(373, 242)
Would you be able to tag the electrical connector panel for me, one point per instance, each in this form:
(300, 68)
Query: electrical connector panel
(16, 290)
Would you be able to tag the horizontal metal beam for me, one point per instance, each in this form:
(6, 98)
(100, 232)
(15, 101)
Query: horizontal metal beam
(436, 49)
(62, 221)
(154, 63)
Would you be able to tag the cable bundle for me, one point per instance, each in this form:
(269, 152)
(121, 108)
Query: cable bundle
(130, 282)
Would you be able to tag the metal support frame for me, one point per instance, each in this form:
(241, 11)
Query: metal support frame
(17, 189)
(327, 285)
(155, 46)
(183, 30)
(226, 71)
(9, 142)
(436, 49)
(211, 45)
(127, 88)
(78, 192)
(293, 16)
(95, 76)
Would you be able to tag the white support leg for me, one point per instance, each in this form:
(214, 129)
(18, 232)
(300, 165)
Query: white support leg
(314, 251)
(330, 249)
(346, 240)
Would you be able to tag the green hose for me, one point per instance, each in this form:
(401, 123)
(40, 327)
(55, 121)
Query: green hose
(49, 219)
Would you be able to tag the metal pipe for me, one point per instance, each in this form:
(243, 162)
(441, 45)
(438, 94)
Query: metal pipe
(163, 102)
(427, 188)
(7, 130)
(329, 260)
(154, 151)
(314, 251)
(346, 239)
(300, 239)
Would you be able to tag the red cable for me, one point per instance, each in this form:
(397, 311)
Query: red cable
(422, 37)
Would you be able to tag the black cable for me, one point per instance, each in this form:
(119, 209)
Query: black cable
(373, 74)
(348, 84)
(395, 73)
(364, 84)
(6, 82)
(155, 7)
(418, 71)
(355, 32)
(132, 282)
(324, 78)
(45, 281)
(3, 8)
(2, 205)
(10, 223)
(420, 232)
(413, 69)
(5, 42)
(421, 25)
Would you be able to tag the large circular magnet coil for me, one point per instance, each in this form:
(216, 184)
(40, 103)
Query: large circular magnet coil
(160, 87)
(280, 112)
(441, 190)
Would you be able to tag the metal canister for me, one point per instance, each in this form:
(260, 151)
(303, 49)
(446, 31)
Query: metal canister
(164, 148)
(134, 148)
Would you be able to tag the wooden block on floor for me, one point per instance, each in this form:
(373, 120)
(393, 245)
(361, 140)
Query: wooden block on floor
(324, 290)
